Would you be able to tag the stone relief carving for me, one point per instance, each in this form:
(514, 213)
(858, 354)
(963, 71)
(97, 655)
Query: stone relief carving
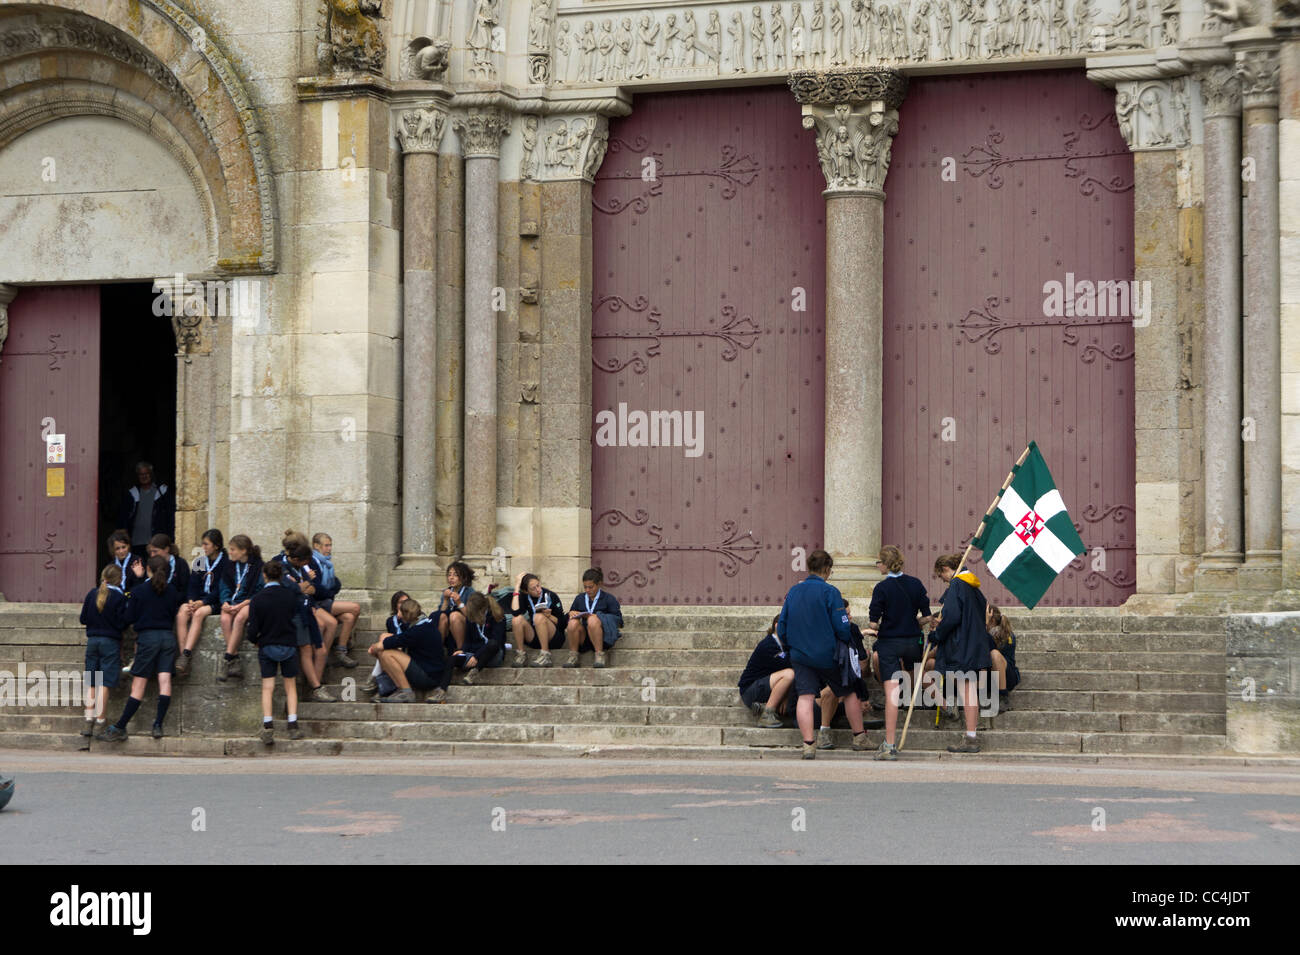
(1258, 72)
(853, 145)
(541, 18)
(1221, 91)
(420, 130)
(480, 132)
(347, 39)
(822, 34)
(556, 148)
(425, 58)
(1153, 114)
(481, 39)
(528, 137)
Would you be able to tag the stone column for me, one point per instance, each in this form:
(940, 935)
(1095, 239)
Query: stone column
(1221, 95)
(855, 115)
(480, 131)
(420, 132)
(1262, 423)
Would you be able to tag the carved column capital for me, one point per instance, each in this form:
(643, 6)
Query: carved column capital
(1221, 91)
(481, 130)
(7, 293)
(862, 85)
(1258, 71)
(420, 129)
(559, 148)
(855, 114)
(1154, 114)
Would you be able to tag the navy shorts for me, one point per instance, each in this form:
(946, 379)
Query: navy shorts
(557, 638)
(808, 681)
(609, 629)
(103, 661)
(897, 654)
(757, 692)
(418, 679)
(284, 661)
(155, 652)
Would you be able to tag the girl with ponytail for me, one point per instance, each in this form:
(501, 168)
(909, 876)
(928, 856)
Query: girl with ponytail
(103, 615)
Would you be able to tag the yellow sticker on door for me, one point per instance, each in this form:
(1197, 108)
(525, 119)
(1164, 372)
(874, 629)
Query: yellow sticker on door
(54, 482)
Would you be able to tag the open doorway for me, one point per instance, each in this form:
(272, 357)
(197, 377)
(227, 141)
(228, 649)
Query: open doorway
(137, 398)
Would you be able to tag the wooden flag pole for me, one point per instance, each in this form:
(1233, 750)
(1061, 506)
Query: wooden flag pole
(916, 690)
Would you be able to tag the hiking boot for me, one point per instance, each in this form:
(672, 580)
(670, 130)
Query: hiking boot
(572, 663)
(809, 750)
(521, 659)
(111, 734)
(183, 663)
(267, 735)
(860, 744)
(967, 745)
(543, 659)
(401, 696)
(295, 731)
(887, 751)
(339, 657)
(89, 728)
(768, 720)
(949, 714)
(437, 695)
(84, 745)
(471, 676)
(1004, 702)
(322, 694)
(370, 686)
(824, 740)
(234, 669)
(157, 731)
(599, 662)
(223, 669)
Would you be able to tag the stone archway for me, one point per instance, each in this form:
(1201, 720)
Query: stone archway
(152, 65)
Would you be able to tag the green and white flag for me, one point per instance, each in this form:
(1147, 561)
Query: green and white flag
(1029, 538)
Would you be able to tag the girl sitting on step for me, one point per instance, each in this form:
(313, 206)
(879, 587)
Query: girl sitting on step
(242, 580)
(413, 659)
(205, 598)
(535, 620)
(393, 625)
(1002, 647)
(344, 612)
(485, 637)
(451, 609)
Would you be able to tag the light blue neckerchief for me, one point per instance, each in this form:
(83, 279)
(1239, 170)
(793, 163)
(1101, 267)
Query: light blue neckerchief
(326, 568)
(209, 568)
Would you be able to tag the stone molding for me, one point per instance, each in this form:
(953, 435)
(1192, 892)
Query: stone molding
(481, 130)
(1154, 114)
(830, 87)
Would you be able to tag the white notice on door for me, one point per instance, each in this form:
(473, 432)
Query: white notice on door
(55, 449)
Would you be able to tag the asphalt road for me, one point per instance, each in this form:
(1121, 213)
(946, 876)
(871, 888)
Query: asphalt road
(81, 810)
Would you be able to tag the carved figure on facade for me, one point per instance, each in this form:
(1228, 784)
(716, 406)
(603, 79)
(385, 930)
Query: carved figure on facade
(837, 34)
(425, 58)
(540, 20)
(1153, 114)
(421, 129)
(587, 52)
(605, 52)
(348, 41)
(737, 33)
(563, 52)
(1081, 35)
(528, 137)
(647, 37)
(622, 50)
(690, 39)
(776, 25)
(817, 36)
(943, 26)
(976, 12)
(1170, 17)
(670, 55)
(758, 39)
(713, 39)
(481, 32)
(798, 37)
(1060, 33)
(921, 32)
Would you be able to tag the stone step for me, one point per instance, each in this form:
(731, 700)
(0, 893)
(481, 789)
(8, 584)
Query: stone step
(1126, 662)
(929, 738)
(1118, 681)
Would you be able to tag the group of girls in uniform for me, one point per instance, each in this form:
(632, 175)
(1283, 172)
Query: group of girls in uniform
(467, 632)
(164, 602)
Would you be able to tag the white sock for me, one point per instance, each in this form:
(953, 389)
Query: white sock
(970, 734)
(824, 726)
(377, 670)
(99, 720)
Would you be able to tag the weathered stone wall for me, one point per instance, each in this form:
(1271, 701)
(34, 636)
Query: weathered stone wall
(1263, 669)
(1289, 206)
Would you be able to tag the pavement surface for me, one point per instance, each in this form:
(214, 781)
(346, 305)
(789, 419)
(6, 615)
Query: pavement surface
(80, 809)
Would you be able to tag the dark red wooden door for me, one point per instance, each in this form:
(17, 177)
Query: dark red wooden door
(709, 275)
(975, 363)
(49, 378)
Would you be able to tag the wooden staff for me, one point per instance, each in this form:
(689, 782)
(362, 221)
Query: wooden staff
(916, 690)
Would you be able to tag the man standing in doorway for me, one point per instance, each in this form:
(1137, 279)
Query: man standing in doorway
(812, 623)
(147, 509)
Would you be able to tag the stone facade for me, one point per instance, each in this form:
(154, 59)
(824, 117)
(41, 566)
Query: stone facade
(410, 183)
